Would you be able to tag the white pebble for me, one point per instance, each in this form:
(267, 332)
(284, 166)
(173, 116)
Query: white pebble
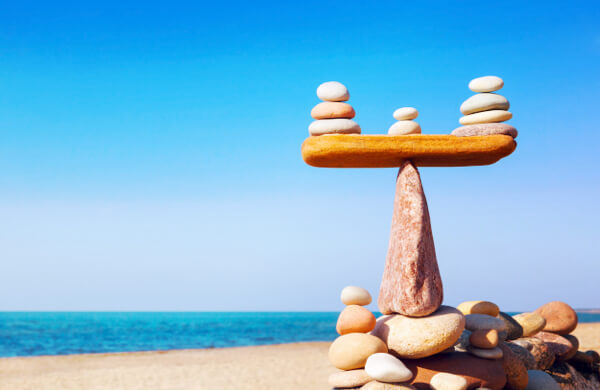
(352, 295)
(384, 367)
(334, 126)
(404, 128)
(446, 381)
(406, 113)
(492, 116)
(333, 91)
(486, 84)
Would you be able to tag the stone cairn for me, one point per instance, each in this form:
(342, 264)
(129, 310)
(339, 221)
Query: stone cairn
(418, 343)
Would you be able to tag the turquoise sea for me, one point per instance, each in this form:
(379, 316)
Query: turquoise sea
(60, 333)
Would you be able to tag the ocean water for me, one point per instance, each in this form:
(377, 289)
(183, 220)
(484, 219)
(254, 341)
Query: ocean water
(60, 333)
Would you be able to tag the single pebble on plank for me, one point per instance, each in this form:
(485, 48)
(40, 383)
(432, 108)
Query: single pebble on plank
(484, 102)
(355, 319)
(479, 307)
(332, 110)
(484, 338)
(384, 367)
(353, 295)
(334, 126)
(406, 113)
(492, 116)
(486, 84)
(493, 353)
(333, 91)
(445, 381)
(404, 128)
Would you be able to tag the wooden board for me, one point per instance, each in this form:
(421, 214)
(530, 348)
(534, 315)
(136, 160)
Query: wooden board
(385, 151)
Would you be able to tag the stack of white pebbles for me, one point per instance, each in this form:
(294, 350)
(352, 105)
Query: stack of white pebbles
(333, 116)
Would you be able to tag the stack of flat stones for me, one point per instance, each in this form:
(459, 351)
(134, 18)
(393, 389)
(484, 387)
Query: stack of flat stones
(473, 346)
(484, 111)
(333, 116)
(405, 122)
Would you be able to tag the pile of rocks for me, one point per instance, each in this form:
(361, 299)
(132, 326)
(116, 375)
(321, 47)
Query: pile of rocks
(484, 111)
(333, 116)
(472, 346)
(405, 124)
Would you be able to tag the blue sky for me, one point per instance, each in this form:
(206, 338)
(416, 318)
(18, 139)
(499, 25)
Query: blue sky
(150, 152)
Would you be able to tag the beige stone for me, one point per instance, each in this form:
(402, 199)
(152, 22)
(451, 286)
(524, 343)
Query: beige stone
(347, 379)
(484, 338)
(531, 323)
(484, 102)
(485, 117)
(486, 84)
(351, 350)
(479, 307)
(333, 126)
(404, 128)
(353, 295)
(445, 381)
(406, 113)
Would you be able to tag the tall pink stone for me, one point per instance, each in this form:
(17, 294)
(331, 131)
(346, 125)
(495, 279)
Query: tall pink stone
(411, 283)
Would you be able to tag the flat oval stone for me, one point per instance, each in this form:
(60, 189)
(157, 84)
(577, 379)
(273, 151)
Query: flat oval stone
(483, 338)
(332, 110)
(485, 129)
(353, 295)
(516, 372)
(375, 385)
(355, 319)
(485, 117)
(513, 329)
(417, 337)
(384, 367)
(539, 380)
(479, 307)
(484, 102)
(351, 350)
(560, 317)
(483, 321)
(334, 126)
(478, 372)
(406, 113)
(445, 381)
(493, 353)
(559, 346)
(486, 84)
(404, 128)
(333, 91)
(347, 379)
(530, 322)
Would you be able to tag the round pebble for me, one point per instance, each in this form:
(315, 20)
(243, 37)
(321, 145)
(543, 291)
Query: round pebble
(404, 128)
(485, 117)
(479, 307)
(334, 126)
(560, 317)
(445, 381)
(486, 84)
(484, 338)
(333, 91)
(347, 379)
(493, 353)
(530, 322)
(351, 350)
(539, 380)
(484, 102)
(483, 321)
(384, 367)
(355, 319)
(332, 110)
(353, 295)
(406, 113)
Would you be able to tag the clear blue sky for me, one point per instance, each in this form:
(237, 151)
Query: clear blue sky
(150, 152)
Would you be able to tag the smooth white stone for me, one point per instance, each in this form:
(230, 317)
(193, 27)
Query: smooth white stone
(484, 102)
(384, 367)
(353, 295)
(446, 381)
(404, 128)
(540, 380)
(334, 126)
(492, 116)
(486, 84)
(483, 322)
(333, 91)
(405, 113)
(493, 353)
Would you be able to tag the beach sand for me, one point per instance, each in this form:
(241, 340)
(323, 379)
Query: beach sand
(278, 367)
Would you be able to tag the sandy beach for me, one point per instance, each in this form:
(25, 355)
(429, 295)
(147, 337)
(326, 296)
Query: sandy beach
(288, 366)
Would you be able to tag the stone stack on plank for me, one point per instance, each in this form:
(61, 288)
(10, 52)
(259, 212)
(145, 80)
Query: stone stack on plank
(405, 124)
(484, 111)
(333, 116)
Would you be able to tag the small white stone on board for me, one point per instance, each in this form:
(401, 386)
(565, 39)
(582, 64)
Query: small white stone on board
(484, 102)
(353, 295)
(404, 128)
(492, 116)
(406, 113)
(486, 84)
(334, 126)
(384, 367)
(333, 91)
(446, 381)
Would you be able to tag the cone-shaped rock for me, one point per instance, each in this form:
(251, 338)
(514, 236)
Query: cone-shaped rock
(411, 283)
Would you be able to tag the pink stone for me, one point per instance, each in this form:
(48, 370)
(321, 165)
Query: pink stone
(485, 129)
(411, 283)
